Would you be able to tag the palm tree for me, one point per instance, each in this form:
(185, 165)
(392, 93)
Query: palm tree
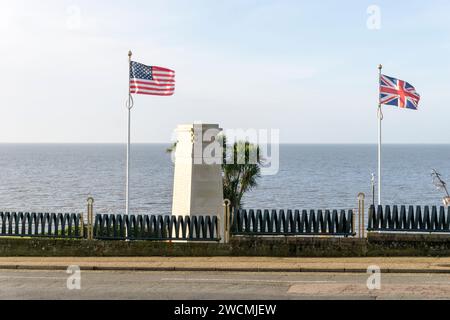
(241, 168)
(172, 148)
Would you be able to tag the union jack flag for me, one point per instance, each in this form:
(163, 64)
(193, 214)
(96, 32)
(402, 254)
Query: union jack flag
(398, 93)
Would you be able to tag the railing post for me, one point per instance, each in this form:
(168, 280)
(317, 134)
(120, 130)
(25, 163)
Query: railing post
(226, 220)
(361, 198)
(82, 226)
(90, 218)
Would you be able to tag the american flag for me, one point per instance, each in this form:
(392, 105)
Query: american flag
(151, 80)
(398, 93)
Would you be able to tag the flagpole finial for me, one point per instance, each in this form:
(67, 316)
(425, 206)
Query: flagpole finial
(380, 66)
(130, 54)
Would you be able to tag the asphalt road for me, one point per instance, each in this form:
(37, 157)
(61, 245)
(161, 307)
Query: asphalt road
(15, 284)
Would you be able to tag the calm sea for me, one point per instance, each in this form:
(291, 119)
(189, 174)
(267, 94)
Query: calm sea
(59, 177)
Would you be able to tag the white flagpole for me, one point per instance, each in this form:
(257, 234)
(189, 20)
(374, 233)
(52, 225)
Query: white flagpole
(380, 117)
(129, 106)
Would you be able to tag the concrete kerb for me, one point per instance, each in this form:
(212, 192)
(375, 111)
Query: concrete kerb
(220, 269)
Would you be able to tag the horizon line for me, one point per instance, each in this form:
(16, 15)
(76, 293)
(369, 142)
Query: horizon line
(281, 143)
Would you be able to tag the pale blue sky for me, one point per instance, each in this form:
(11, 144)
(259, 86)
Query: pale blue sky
(308, 68)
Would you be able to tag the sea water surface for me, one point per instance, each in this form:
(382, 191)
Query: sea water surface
(60, 177)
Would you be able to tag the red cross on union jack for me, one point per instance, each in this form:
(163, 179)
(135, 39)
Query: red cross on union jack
(398, 93)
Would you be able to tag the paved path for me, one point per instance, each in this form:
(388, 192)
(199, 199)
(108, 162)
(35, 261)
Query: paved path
(33, 284)
(427, 265)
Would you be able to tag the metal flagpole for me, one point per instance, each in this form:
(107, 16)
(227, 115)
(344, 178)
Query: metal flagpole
(380, 117)
(129, 106)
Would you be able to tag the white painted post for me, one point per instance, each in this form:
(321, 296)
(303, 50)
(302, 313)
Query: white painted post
(361, 227)
(226, 222)
(90, 218)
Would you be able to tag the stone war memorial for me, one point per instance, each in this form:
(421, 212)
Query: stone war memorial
(197, 187)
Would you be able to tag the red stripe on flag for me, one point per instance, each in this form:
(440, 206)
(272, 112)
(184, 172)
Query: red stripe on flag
(158, 74)
(154, 93)
(160, 85)
(155, 68)
(156, 82)
(150, 88)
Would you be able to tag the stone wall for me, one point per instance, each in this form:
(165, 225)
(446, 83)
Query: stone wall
(408, 244)
(374, 245)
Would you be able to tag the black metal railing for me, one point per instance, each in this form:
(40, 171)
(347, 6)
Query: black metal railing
(258, 222)
(167, 227)
(416, 219)
(156, 227)
(50, 225)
